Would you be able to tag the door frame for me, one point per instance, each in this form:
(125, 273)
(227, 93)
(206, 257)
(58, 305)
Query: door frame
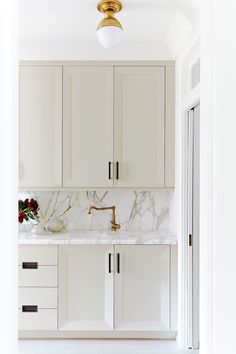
(184, 240)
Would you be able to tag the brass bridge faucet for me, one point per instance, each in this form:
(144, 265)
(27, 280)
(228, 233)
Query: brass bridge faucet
(114, 225)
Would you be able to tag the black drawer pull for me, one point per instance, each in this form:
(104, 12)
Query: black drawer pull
(118, 263)
(29, 308)
(29, 265)
(109, 262)
(109, 170)
(117, 170)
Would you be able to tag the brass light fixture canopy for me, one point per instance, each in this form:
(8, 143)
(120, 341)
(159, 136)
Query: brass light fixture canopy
(109, 5)
(109, 30)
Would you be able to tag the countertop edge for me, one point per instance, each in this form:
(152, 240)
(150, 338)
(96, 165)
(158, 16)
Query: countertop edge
(157, 237)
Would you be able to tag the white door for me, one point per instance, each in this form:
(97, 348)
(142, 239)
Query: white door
(142, 290)
(40, 126)
(85, 287)
(193, 228)
(139, 126)
(87, 126)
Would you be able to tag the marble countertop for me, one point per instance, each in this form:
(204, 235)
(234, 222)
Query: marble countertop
(157, 237)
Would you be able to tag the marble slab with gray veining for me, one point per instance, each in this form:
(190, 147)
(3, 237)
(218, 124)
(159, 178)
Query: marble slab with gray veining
(156, 237)
(135, 210)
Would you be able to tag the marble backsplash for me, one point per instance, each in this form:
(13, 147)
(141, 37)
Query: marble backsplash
(142, 211)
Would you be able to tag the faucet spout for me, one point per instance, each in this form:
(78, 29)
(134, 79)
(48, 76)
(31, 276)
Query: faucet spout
(91, 208)
(114, 225)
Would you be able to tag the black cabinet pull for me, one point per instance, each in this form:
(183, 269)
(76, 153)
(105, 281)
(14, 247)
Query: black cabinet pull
(118, 263)
(117, 170)
(109, 262)
(109, 170)
(29, 265)
(29, 308)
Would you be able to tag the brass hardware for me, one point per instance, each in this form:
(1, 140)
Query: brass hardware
(114, 225)
(190, 241)
(109, 8)
(109, 5)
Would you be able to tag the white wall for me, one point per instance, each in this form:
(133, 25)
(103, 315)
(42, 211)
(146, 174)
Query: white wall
(220, 121)
(206, 178)
(8, 175)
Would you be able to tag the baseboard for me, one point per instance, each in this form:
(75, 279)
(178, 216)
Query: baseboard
(97, 335)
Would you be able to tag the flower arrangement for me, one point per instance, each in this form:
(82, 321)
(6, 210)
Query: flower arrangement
(28, 209)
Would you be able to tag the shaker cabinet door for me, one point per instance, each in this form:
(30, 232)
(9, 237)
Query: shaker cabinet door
(40, 126)
(139, 122)
(142, 288)
(85, 287)
(87, 126)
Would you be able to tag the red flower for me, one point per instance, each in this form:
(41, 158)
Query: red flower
(33, 204)
(25, 203)
(28, 209)
(21, 216)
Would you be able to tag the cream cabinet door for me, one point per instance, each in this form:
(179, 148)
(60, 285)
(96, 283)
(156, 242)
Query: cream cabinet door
(139, 119)
(85, 287)
(88, 126)
(142, 283)
(40, 126)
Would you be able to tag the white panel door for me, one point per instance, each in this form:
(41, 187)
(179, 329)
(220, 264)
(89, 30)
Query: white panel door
(87, 126)
(142, 295)
(139, 126)
(193, 228)
(40, 126)
(85, 287)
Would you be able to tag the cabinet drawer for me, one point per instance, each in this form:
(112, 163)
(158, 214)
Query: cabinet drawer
(42, 255)
(43, 276)
(43, 319)
(44, 298)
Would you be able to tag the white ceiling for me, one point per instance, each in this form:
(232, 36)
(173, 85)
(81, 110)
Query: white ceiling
(73, 22)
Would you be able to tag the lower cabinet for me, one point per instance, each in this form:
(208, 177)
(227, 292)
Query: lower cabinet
(85, 288)
(142, 288)
(110, 289)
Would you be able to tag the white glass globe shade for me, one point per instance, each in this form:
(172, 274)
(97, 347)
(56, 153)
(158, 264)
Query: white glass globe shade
(109, 36)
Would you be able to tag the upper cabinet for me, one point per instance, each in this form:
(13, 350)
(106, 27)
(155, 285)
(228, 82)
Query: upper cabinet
(116, 123)
(87, 126)
(40, 126)
(139, 126)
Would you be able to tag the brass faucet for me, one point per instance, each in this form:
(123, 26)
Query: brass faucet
(114, 226)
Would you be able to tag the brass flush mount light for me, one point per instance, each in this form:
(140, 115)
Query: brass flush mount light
(109, 30)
